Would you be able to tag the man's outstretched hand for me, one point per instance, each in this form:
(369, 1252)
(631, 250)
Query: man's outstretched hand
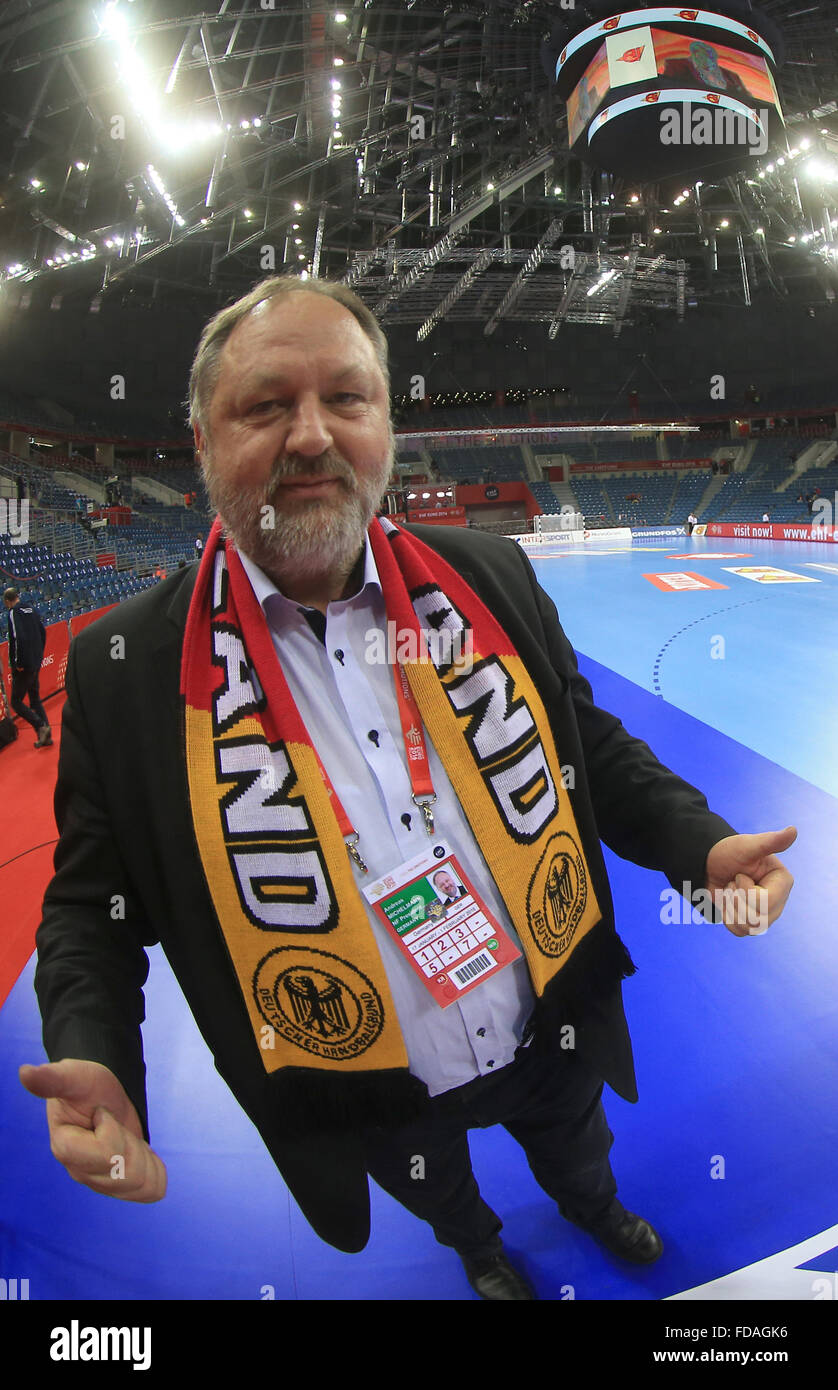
(749, 883)
(95, 1131)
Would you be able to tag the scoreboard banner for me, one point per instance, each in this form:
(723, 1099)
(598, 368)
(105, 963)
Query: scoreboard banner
(438, 516)
(772, 531)
(54, 664)
(5, 681)
(632, 466)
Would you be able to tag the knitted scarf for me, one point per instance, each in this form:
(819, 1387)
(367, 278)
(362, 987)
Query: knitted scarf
(275, 861)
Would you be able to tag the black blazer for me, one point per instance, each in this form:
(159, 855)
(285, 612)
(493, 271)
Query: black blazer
(126, 836)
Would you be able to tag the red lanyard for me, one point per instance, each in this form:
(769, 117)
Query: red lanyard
(418, 767)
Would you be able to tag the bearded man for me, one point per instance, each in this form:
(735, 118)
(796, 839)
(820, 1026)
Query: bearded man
(279, 801)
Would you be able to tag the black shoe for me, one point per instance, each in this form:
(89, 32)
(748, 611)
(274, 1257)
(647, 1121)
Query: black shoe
(44, 738)
(624, 1234)
(494, 1278)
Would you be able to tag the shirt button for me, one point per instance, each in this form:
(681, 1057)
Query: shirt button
(490, 1064)
(481, 1032)
(373, 736)
(339, 656)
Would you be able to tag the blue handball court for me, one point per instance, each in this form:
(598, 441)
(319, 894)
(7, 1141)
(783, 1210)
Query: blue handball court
(732, 1151)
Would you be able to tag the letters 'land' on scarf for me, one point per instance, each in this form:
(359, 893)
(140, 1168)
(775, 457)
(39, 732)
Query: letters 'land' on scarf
(275, 861)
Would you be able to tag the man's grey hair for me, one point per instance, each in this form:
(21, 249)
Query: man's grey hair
(206, 366)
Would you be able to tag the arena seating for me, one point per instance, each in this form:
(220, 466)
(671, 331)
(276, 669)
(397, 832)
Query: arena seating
(60, 585)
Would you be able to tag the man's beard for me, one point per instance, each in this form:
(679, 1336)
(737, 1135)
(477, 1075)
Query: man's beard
(300, 536)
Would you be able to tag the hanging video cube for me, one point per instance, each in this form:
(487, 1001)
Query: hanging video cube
(666, 92)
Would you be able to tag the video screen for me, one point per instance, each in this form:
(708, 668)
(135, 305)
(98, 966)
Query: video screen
(647, 54)
(744, 76)
(587, 96)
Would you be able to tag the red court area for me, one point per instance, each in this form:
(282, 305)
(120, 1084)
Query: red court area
(28, 837)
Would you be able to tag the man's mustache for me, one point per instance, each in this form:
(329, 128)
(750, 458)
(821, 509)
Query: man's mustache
(327, 466)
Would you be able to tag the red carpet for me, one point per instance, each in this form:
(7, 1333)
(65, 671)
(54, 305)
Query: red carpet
(27, 841)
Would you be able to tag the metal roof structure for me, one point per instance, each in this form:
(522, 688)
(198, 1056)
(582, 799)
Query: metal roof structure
(167, 152)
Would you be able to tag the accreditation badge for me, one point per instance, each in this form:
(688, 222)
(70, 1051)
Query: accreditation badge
(444, 928)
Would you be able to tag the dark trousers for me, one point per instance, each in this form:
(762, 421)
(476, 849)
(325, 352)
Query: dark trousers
(550, 1103)
(26, 683)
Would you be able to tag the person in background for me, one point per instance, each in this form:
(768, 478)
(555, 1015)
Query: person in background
(27, 639)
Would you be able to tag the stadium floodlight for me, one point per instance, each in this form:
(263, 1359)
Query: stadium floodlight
(114, 22)
(816, 169)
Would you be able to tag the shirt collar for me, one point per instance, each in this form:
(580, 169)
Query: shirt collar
(267, 592)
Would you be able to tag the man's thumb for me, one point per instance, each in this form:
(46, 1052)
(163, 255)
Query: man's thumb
(55, 1080)
(775, 841)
